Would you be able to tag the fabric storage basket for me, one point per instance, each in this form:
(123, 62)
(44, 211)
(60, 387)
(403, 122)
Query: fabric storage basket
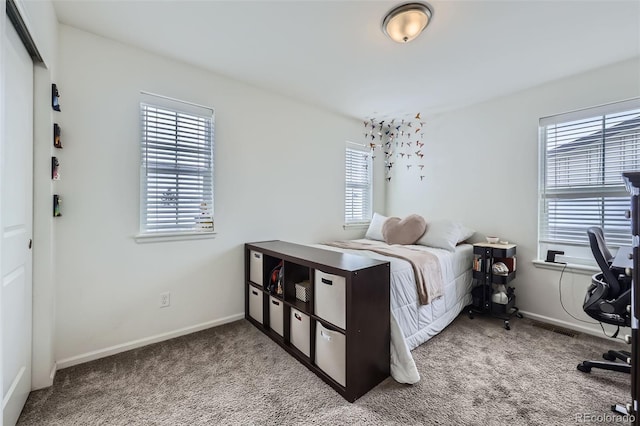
(275, 315)
(330, 298)
(303, 291)
(330, 353)
(255, 267)
(300, 331)
(255, 304)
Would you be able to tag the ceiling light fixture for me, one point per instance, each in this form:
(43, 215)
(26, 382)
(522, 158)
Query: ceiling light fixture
(405, 22)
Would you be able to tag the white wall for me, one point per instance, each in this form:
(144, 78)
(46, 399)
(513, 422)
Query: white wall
(482, 169)
(279, 170)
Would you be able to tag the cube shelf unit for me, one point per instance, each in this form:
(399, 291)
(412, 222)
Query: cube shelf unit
(342, 333)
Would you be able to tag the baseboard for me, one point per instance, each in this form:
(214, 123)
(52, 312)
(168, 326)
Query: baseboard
(570, 325)
(47, 382)
(112, 350)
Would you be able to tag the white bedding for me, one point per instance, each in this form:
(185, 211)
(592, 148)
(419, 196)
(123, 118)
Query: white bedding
(411, 323)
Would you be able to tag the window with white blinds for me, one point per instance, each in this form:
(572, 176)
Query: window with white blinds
(358, 187)
(584, 154)
(177, 166)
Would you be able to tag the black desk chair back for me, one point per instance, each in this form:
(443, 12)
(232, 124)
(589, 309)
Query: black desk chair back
(607, 300)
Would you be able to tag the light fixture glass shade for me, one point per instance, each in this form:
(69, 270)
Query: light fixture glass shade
(406, 22)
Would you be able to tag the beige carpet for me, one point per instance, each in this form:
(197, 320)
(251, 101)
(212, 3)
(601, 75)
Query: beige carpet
(473, 373)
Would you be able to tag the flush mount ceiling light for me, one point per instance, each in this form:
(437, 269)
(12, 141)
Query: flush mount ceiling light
(405, 22)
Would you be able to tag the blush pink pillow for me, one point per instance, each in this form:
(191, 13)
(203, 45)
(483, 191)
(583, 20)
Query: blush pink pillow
(404, 231)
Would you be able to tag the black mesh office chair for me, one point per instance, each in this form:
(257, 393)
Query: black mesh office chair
(607, 300)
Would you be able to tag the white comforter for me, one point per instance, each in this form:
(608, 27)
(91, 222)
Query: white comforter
(411, 323)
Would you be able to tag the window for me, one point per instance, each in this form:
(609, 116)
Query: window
(583, 156)
(176, 178)
(357, 197)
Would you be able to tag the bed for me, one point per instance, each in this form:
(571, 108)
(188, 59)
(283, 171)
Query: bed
(412, 323)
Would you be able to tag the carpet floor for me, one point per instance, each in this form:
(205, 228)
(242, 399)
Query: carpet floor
(473, 373)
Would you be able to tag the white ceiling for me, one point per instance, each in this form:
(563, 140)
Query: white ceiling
(333, 53)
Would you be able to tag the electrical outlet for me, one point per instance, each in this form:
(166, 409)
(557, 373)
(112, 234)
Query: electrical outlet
(165, 300)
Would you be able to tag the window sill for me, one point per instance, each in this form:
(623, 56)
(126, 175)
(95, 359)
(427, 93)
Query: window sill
(173, 236)
(569, 267)
(360, 225)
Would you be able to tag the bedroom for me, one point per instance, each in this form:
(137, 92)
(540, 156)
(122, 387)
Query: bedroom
(96, 290)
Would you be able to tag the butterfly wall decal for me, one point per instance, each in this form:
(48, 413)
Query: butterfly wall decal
(396, 138)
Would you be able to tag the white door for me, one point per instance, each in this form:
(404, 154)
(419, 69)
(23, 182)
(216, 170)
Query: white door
(16, 166)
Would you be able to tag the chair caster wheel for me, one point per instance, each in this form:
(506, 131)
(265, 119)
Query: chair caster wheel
(470, 314)
(506, 325)
(519, 315)
(584, 368)
(608, 356)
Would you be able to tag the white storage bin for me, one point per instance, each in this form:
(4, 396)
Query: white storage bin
(255, 267)
(255, 304)
(330, 298)
(276, 314)
(300, 331)
(330, 353)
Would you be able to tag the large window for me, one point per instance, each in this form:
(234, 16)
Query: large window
(176, 178)
(358, 188)
(583, 156)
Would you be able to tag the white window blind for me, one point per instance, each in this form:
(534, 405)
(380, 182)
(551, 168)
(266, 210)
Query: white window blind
(177, 166)
(584, 154)
(358, 188)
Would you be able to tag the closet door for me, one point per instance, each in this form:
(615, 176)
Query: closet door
(16, 212)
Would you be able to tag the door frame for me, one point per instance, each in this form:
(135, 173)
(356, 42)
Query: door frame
(12, 11)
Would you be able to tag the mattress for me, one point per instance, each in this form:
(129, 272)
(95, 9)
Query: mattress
(411, 323)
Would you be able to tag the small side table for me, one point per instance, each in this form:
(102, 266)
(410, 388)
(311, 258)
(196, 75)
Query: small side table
(485, 256)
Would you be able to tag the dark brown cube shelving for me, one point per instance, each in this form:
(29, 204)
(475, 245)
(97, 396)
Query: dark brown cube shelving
(367, 299)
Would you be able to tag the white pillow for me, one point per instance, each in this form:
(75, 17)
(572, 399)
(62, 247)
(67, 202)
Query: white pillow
(465, 234)
(375, 227)
(442, 234)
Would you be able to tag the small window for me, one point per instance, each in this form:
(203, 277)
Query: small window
(584, 154)
(176, 177)
(358, 188)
